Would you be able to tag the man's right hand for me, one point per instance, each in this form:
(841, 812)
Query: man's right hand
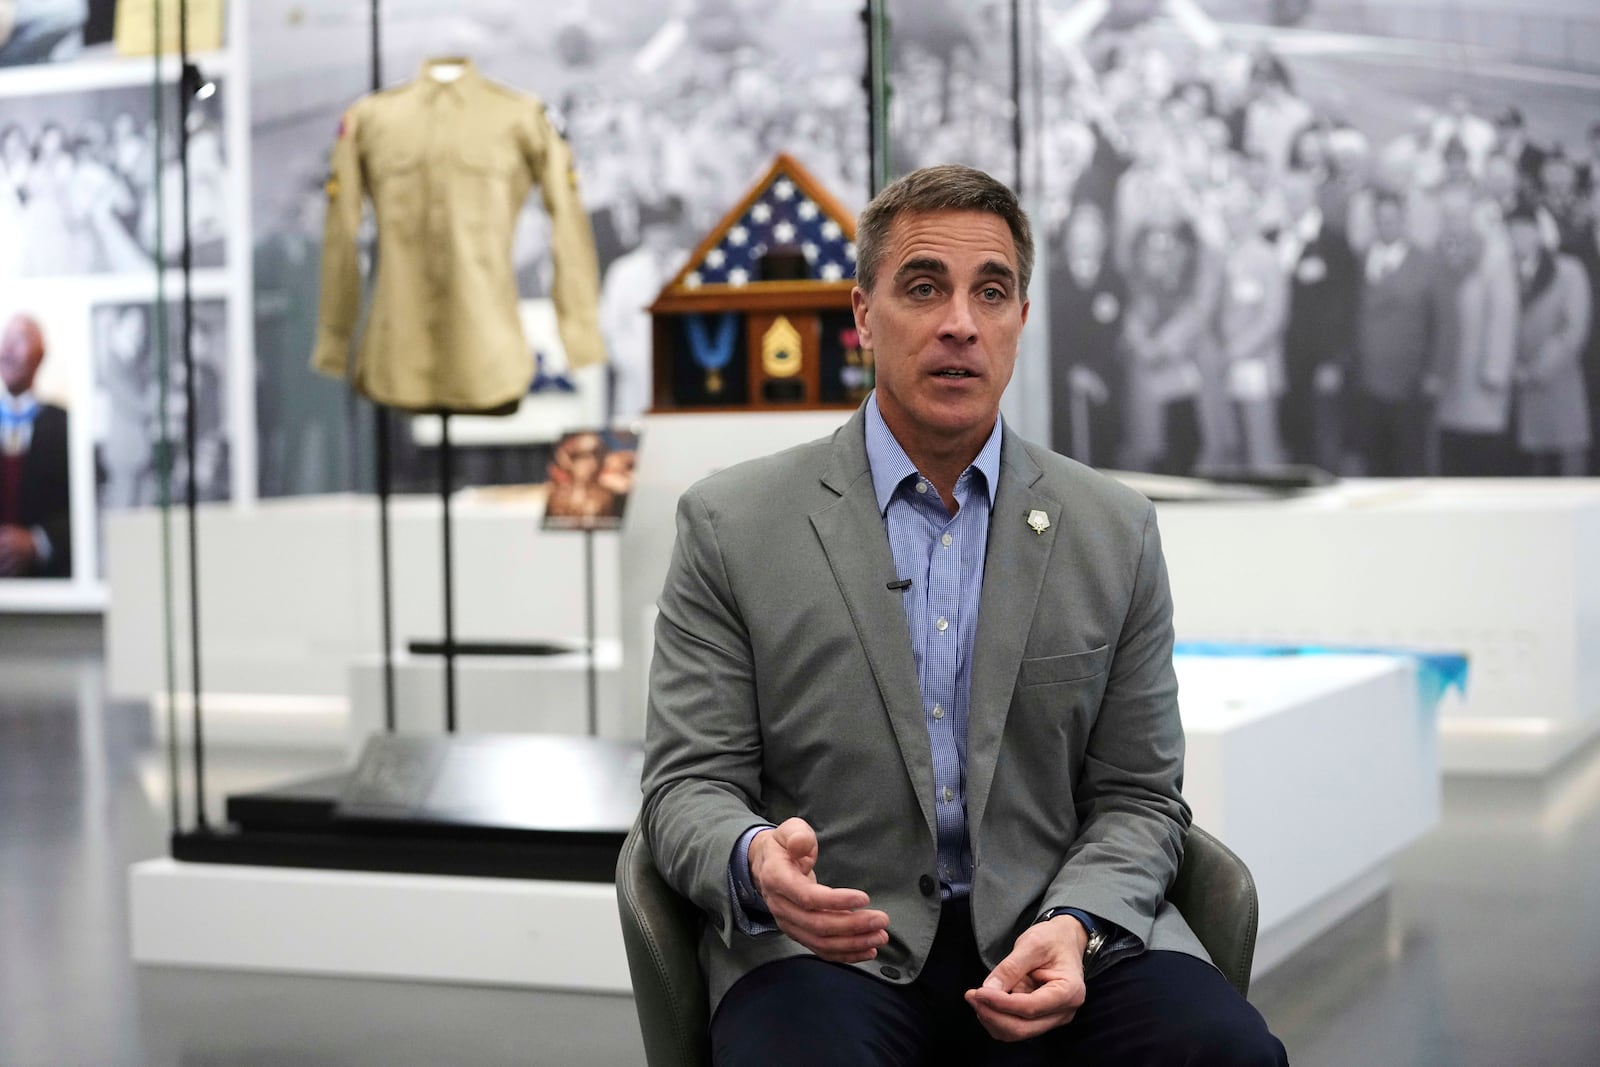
(836, 924)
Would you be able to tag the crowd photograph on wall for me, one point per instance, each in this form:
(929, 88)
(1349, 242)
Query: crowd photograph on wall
(1259, 260)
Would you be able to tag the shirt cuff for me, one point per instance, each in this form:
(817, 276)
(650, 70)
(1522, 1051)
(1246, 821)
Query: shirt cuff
(1090, 923)
(749, 909)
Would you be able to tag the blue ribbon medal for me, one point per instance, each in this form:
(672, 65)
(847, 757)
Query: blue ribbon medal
(712, 353)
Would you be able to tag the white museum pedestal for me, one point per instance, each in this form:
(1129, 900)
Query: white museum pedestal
(290, 608)
(1508, 574)
(1315, 770)
(495, 694)
(424, 927)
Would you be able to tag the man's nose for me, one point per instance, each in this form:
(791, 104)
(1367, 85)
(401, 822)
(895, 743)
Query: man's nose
(959, 323)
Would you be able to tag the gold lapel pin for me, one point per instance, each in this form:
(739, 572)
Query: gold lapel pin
(1038, 521)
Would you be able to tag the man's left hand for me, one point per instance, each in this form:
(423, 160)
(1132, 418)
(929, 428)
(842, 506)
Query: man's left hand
(1039, 986)
(17, 552)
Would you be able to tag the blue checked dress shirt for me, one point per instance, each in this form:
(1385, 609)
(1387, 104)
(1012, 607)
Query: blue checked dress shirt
(943, 555)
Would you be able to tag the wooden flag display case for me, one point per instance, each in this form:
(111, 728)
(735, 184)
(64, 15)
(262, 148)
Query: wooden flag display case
(759, 317)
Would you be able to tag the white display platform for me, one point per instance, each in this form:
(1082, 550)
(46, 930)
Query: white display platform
(1507, 573)
(494, 694)
(290, 589)
(436, 928)
(256, 720)
(1315, 770)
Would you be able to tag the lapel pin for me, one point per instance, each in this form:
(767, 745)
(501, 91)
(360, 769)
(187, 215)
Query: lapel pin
(1038, 521)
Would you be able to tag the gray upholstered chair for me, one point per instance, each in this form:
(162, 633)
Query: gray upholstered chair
(1214, 892)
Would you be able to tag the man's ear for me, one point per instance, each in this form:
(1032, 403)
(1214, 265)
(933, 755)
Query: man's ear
(858, 305)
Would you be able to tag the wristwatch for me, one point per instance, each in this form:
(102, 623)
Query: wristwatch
(1097, 936)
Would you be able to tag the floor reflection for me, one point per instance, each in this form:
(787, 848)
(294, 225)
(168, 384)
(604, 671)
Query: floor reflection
(1486, 951)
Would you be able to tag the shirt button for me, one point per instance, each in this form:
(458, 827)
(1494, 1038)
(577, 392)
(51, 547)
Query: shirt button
(949, 794)
(947, 540)
(938, 712)
(925, 883)
(922, 487)
(941, 624)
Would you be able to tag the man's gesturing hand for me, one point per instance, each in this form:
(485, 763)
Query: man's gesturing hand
(1039, 986)
(834, 923)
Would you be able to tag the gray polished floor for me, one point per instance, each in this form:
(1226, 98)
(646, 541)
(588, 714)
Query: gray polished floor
(1487, 951)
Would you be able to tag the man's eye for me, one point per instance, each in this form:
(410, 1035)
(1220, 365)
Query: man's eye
(924, 289)
(993, 295)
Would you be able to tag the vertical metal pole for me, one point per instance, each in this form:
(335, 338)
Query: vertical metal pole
(446, 465)
(589, 599)
(1016, 93)
(186, 90)
(877, 86)
(385, 565)
(381, 429)
(158, 328)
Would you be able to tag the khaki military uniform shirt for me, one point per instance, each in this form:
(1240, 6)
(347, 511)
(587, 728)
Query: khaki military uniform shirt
(447, 165)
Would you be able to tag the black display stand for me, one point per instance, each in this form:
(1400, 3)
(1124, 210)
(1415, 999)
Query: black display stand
(449, 649)
(486, 805)
(190, 83)
(517, 806)
(591, 673)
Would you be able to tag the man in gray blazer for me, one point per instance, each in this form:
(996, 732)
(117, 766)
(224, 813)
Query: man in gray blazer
(913, 741)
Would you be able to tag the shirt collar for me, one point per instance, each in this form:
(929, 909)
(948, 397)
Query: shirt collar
(891, 466)
(18, 405)
(456, 87)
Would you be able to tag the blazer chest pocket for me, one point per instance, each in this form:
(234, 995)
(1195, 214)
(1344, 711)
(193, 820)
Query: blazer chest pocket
(1075, 666)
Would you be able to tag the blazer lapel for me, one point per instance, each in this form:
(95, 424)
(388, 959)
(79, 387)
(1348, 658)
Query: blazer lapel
(1013, 574)
(853, 538)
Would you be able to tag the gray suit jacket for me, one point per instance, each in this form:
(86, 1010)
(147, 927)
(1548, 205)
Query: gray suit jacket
(783, 684)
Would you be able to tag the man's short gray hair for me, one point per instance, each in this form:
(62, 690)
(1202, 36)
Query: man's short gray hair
(947, 187)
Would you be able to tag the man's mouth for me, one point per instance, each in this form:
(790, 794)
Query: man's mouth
(953, 372)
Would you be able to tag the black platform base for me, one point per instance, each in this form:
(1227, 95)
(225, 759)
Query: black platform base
(518, 806)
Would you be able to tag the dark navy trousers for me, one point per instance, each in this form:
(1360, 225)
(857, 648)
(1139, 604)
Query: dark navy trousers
(1162, 1009)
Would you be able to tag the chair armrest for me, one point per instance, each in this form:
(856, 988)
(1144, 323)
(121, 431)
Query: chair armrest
(661, 932)
(1216, 895)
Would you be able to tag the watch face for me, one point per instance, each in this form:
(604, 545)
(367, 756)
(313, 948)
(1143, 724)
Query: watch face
(1096, 939)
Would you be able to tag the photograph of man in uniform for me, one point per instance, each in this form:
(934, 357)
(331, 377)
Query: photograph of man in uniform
(591, 475)
(35, 510)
